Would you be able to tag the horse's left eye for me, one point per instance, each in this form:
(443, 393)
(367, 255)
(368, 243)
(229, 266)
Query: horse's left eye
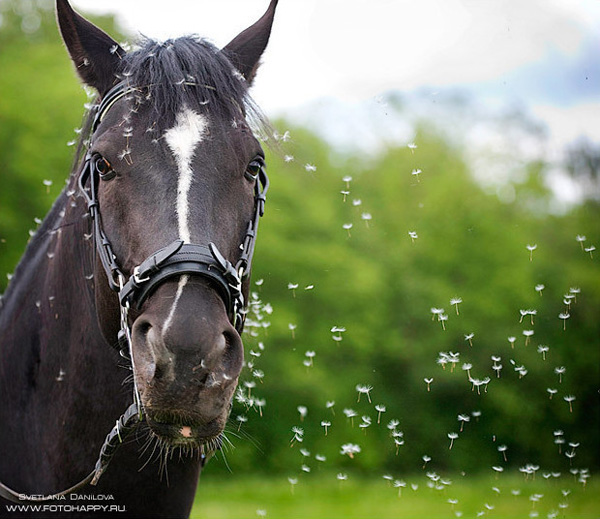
(253, 169)
(104, 168)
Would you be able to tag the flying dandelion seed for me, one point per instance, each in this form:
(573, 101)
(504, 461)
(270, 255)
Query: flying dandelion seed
(310, 168)
(543, 350)
(442, 318)
(413, 235)
(261, 513)
(303, 411)
(591, 250)
(428, 381)
(350, 449)
(580, 239)
(330, 405)
(463, 419)
(288, 158)
(399, 484)
(366, 217)
(325, 424)
(426, 459)
(392, 424)
(574, 291)
(531, 248)
(47, 183)
(455, 301)
(512, 340)
(350, 413)
(539, 288)
(452, 437)
(293, 287)
(468, 337)
(298, 435)
(528, 334)
(364, 390)
(503, 449)
(412, 147)
(347, 179)
(345, 194)
(467, 367)
(560, 371)
(292, 328)
(342, 477)
(570, 399)
(497, 368)
(380, 409)
(552, 392)
(564, 316)
(347, 227)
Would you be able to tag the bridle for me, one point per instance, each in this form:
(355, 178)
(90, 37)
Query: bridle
(176, 259)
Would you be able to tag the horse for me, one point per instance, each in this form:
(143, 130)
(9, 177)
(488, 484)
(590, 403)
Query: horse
(143, 262)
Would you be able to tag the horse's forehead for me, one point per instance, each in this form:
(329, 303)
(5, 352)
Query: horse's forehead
(189, 130)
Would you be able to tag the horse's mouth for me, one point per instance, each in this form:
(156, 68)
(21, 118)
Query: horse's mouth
(181, 433)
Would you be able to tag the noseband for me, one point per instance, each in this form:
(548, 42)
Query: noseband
(175, 259)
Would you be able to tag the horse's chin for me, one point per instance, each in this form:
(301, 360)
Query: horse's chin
(185, 433)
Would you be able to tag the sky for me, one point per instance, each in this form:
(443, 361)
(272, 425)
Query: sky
(337, 58)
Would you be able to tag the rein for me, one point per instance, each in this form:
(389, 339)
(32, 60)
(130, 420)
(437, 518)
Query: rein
(175, 259)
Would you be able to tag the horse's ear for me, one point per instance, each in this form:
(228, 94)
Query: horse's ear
(245, 50)
(95, 54)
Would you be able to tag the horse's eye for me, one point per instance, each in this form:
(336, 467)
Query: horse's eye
(253, 169)
(104, 168)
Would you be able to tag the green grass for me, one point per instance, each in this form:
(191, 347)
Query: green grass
(323, 496)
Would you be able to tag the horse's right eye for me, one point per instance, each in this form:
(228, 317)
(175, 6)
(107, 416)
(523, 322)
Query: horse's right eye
(104, 168)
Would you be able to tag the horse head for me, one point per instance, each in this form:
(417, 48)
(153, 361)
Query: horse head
(177, 176)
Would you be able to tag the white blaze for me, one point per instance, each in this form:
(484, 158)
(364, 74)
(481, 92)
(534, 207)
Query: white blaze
(189, 130)
(182, 282)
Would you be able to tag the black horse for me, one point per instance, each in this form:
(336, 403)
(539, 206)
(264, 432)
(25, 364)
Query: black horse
(145, 253)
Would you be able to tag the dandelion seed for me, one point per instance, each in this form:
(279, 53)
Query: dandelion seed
(350, 449)
(455, 301)
(259, 374)
(309, 287)
(590, 249)
(356, 202)
(574, 291)
(345, 194)
(467, 367)
(497, 368)
(528, 334)
(543, 350)
(364, 390)
(47, 183)
(305, 453)
(380, 409)
(330, 405)
(580, 239)
(303, 410)
(463, 419)
(415, 173)
(570, 399)
(347, 227)
(293, 483)
(347, 179)
(476, 414)
(350, 413)
(320, 458)
(392, 424)
(367, 218)
(503, 449)
(452, 437)
(442, 318)
(310, 168)
(288, 158)
(298, 435)
(539, 288)
(366, 422)
(413, 235)
(531, 248)
(468, 337)
(325, 424)
(292, 328)
(412, 147)
(512, 340)
(241, 419)
(564, 316)
(342, 477)
(552, 392)
(399, 484)
(293, 287)
(426, 459)
(428, 381)
(436, 312)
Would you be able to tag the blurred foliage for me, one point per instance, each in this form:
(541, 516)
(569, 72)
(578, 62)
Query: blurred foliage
(371, 279)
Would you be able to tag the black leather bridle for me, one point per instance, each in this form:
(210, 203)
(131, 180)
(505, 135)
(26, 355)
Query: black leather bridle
(176, 259)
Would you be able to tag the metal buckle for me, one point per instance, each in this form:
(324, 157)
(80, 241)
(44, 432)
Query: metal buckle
(136, 276)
